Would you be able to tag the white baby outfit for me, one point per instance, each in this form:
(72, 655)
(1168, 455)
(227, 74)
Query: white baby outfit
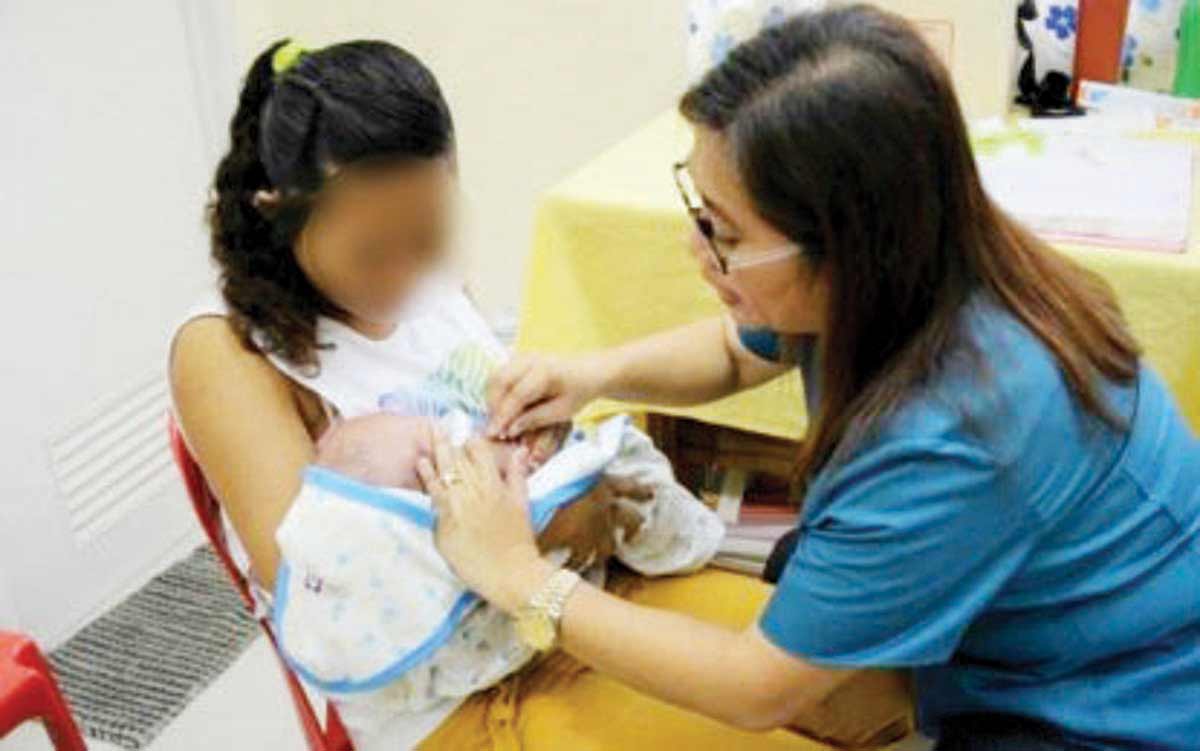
(365, 608)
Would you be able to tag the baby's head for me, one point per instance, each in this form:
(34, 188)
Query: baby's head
(380, 449)
(383, 449)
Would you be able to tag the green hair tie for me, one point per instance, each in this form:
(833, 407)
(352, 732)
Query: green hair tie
(287, 56)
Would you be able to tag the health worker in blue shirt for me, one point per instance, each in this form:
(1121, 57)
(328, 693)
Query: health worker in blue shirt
(1001, 495)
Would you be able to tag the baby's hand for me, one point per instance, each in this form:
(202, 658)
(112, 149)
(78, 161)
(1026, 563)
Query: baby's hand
(544, 443)
(380, 449)
(540, 444)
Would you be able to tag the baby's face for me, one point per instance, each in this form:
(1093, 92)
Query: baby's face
(383, 449)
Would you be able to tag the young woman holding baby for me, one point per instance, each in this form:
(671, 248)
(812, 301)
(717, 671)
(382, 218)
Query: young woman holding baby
(1001, 497)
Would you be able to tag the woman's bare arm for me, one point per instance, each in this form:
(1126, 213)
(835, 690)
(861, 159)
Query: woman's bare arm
(243, 424)
(738, 677)
(689, 365)
(692, 364)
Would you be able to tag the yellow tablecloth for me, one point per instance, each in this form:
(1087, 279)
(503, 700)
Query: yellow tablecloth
(609, 264)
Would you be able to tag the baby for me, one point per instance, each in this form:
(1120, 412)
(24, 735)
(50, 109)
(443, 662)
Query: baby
(382, 449)
(365, 607)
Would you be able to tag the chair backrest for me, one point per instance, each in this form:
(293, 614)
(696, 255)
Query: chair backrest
(208, 512)
(29, 691)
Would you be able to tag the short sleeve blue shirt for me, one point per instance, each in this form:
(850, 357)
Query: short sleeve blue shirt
(1022, 556)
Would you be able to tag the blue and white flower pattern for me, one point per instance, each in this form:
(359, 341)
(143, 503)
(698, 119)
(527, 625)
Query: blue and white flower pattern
(716, 27)
(1128, 50)
(1152, 44)
(1062, 20)
(722, 45)
(1053, 32)
(775, 16)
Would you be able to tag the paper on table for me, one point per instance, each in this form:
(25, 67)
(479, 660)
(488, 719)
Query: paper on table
(1103, 190)
(1159, 112)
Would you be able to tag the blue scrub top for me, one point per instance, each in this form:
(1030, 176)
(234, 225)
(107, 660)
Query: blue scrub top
(1021, 556)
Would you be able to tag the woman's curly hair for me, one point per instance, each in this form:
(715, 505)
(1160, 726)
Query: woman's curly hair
(351, 102)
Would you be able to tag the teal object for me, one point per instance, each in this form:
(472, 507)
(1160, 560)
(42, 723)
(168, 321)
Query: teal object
(1022, 557)
(1187, 70)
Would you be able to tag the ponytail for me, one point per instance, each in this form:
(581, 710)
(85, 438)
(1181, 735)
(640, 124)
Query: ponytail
(342, 104)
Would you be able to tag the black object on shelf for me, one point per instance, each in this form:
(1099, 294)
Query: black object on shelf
(779, 556)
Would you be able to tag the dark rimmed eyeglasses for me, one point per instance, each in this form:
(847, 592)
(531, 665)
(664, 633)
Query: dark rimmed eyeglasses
(704, 225)
(695, 208)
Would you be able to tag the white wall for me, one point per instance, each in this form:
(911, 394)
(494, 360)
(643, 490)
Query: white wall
(537, 87)
(104, 153)
(978, 40)
(9, 618)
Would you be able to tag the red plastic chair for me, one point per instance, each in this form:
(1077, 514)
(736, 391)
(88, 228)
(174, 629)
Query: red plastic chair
(333, 737)
(28, 691)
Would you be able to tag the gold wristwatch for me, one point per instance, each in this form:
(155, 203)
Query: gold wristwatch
(537, 620)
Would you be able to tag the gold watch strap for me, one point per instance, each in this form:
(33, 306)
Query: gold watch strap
(551, 599)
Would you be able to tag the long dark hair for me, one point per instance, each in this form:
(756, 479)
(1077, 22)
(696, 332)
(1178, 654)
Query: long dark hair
(847, 133)
(337, 106)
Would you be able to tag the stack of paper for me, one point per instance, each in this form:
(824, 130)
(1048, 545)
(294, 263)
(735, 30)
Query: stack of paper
(1101, 189)
(754, 522)
(1157, 112)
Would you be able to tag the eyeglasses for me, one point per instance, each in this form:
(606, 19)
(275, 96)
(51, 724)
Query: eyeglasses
(726, 262)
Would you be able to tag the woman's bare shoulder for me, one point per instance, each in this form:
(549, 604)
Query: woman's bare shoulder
(209, 356)
(216, 382)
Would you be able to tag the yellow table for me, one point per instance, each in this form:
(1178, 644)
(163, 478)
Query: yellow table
(609, 264)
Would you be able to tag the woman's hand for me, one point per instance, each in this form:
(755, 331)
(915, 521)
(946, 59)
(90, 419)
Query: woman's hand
(483, 528)
(533, 391)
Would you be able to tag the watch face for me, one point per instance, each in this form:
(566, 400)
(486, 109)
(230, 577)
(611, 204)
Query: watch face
(536, 629)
